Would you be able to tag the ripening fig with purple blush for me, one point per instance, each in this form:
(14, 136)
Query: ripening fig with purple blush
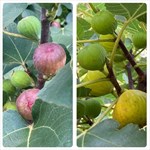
(48, 58)
(25, 101)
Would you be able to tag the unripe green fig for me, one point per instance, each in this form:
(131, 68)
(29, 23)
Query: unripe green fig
(93, 108)
(10, 106)
(92, 57)
(48, 58)
(25, 102)
(8, 87)
(131, 108)
(80, 108)
(48, 6)
(140, 40)
(21, 79)
(104, 22)
(30, 27)
(99, 88)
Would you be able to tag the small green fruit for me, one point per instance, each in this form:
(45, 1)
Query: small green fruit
(139, 40)
(92, 57)
(131, 108)
(10, 106)
(104, 22)
(93, 108)
(21, 79)
(99, 88)
(8, 87)
(80, 109)
(30, 27)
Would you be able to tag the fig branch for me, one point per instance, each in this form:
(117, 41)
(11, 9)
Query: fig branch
(45, 27)
(113, 79)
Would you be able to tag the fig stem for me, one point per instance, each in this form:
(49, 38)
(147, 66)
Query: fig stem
(97, 40)
(92, 81)
(113, 79)
(45, 27)
(85, 13)
(93, 8)
(129, 73)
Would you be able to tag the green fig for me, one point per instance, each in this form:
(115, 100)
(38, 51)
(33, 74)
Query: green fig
(139, 40)
(21, 79)
(30, 27)
(93, 108)
(92, 57)
(80, 109)
(104, 22)
(10, 106)
(8, 87)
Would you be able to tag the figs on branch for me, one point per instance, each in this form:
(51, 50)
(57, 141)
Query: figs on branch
(48, 58)
(25, 101)
(104, 22)
(100, 88)
(92, 57)
(139, 40)
(21, 79)
(131, 108)
(30, 27)
(8, 87)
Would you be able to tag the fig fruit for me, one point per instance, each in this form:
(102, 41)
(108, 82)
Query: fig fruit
(131, 108)
(110, 44)
(104, 22)
(25, 101)
(8, 87)
(92, 108)
(56, 24)
(48, 58)
(10, 106)
(99, 88)
(92, 57)
(21, 79)
(139, 40)
(30, 27)
(80, 108)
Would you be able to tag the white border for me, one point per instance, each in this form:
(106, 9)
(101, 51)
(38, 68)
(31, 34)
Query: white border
(75, 2)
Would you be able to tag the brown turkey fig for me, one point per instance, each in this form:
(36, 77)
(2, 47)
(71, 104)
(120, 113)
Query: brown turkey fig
(25, 101)
(48, 58)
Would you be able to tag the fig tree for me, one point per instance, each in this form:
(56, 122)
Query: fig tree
(92, 57)
(8, 87)
(104, 22)
(48, 58)
(131, 108)
(25, 101)
(100, 88)
(30, 27)
(139, 39)
(20, 79)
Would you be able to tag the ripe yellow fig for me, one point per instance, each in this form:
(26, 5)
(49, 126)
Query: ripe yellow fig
(131, 108)
(108, 45)
(99, 88)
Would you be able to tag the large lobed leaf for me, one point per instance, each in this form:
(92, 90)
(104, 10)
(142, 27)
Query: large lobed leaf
(107, 134)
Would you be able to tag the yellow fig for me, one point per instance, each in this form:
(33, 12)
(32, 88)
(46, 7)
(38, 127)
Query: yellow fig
(131, 108)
